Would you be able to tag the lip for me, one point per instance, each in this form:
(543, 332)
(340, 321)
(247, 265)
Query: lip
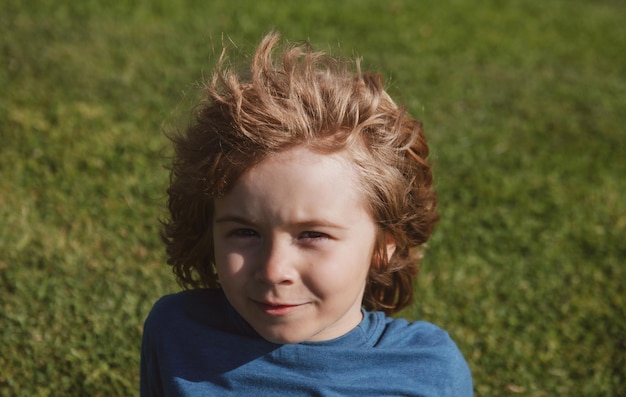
(277, 309)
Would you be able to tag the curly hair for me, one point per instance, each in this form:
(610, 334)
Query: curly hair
(303, 97)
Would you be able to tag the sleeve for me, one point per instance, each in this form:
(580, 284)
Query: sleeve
(443, 368)
(150, 384)
(462, 385)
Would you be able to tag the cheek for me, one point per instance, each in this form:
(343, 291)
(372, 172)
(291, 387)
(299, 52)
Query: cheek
(233, 261)
(230, 265)
(340, 273)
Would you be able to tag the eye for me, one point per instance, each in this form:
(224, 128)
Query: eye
(243, 233)
(311, 235)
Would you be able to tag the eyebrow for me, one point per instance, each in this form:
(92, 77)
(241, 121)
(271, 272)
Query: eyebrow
(312, 223)
(233, 218)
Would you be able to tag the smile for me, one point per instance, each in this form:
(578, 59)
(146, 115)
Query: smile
(277, 309)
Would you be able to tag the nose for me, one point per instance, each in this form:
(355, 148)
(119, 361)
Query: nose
(276, 266)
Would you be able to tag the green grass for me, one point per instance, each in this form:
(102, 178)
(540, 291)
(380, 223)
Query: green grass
(524, 104)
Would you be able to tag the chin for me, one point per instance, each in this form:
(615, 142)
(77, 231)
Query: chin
(281, 338)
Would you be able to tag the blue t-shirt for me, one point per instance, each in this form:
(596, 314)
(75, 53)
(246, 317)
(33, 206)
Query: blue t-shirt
(196, 344)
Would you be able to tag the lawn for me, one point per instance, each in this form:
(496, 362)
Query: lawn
(524, 104)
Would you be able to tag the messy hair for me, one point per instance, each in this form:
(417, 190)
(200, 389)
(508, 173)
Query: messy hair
(309, 98)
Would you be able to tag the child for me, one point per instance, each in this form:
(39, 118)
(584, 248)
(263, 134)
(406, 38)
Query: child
(298, 197)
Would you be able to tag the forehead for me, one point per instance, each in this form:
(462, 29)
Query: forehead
(314, 181)
(306, 166)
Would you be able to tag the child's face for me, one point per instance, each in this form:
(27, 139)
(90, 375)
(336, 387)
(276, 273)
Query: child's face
(293, 245)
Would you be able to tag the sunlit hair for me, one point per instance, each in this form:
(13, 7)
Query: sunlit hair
(303, 97)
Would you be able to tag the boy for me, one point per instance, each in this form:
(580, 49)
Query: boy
(298, 199)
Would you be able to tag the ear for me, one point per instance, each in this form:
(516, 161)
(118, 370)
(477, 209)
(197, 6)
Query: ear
(390, 245)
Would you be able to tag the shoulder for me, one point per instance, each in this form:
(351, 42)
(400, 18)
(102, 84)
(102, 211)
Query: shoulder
(186, 298)
(196, 306)
(432, 350)
(177, 325)
(400, 332)
(176, 301)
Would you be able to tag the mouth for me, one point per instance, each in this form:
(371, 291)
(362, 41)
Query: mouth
(278, 309)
